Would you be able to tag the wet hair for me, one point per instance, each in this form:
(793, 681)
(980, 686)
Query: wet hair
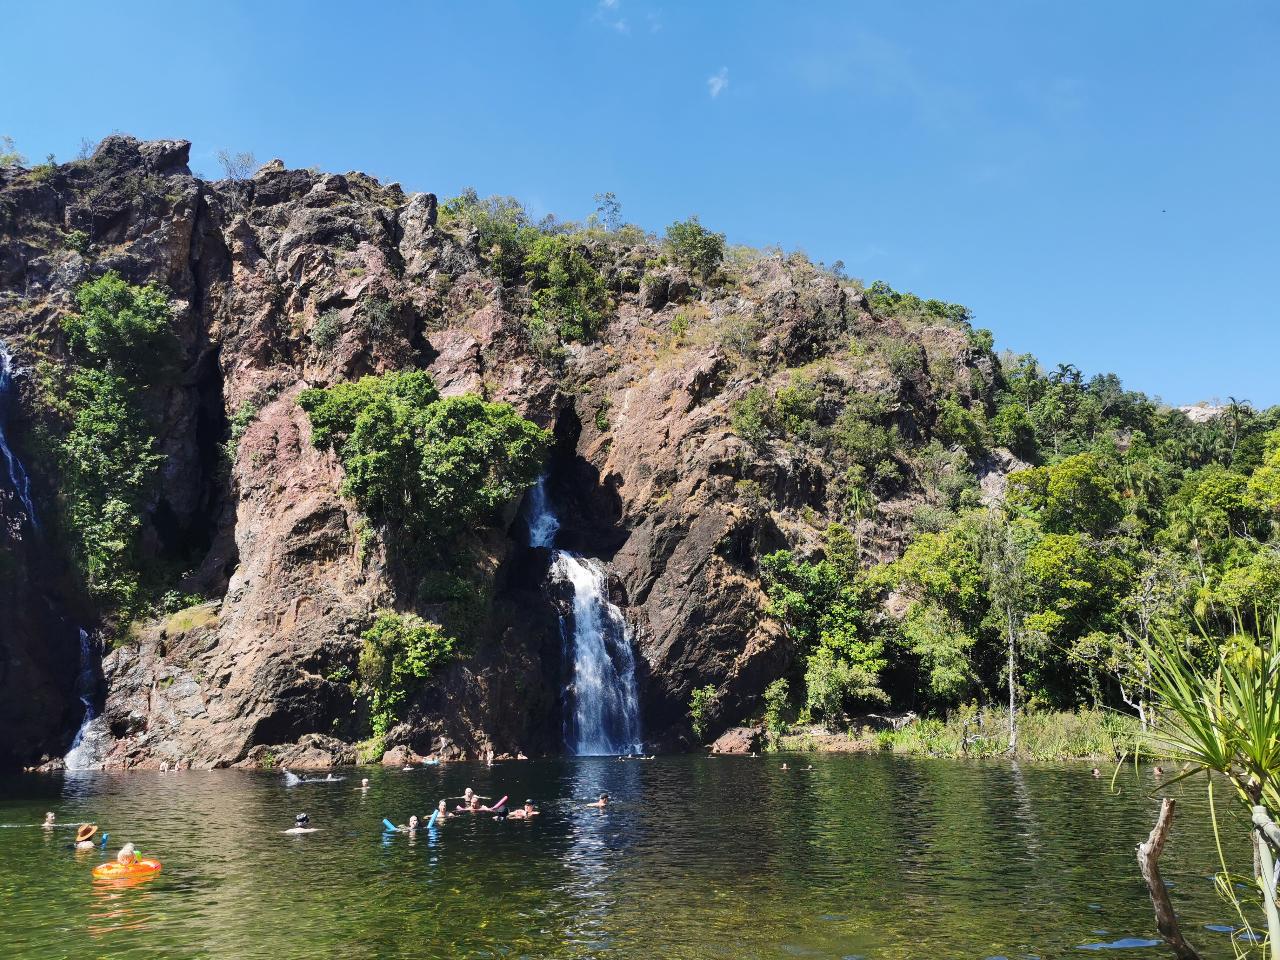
(301, 818)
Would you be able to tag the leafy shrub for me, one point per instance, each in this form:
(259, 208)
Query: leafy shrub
(240, 421)
(696, 247)
(398, 653)
(10, 155)
(958, 425)
(120, 342)
(121, 327)
(327, 329)
(885, 300)
(752, 417)
(77, 240)
(568, 292)
(864, 441)
(905, 360)
(776, 701)
(700, 703)
(826, 609)
(380, 317)
(431, 465)
(505, 234)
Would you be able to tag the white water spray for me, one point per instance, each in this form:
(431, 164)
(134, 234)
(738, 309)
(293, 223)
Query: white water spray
(17, 477)
(602, 715)
(90, 740)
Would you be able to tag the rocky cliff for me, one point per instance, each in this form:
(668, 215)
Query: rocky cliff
(294, 279)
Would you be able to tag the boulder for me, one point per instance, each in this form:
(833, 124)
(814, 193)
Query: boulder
(739, 740)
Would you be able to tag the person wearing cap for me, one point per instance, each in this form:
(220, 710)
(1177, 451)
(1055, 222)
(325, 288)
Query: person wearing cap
(527, 812)
(84, 836)
(302, 824)
(602, 802)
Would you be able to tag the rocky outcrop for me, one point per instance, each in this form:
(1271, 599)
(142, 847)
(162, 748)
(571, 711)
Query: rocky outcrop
(738, 740)
(293, 279)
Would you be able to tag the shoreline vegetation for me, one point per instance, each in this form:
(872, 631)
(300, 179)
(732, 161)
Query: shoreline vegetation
(1043, 735)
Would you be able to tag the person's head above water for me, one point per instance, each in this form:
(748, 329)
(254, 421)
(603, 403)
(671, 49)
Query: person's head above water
(48, 819)
(413, 822)
(128, 854)
(86, 832)
(442, 806)
(301, 820)
(364, 782)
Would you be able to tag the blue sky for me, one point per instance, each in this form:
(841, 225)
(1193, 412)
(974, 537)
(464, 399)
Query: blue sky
(1097, 181)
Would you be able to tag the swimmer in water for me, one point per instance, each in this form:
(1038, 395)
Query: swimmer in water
(527, 812)
(302, 824)
(364, 784)
(84, 836)
(601, 803)
(411, 827)
(442, 811)
(48, 821)
(1157, 773)
(127, 854)
(1096, 773)
(784, 766)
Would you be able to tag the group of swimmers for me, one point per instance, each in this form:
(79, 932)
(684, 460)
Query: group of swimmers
(470, 802)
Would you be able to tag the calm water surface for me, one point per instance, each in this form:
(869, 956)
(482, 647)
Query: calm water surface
(863, 856)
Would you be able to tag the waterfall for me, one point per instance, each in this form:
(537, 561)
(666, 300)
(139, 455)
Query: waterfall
(19, 482)
(86, 748)
(602, 709)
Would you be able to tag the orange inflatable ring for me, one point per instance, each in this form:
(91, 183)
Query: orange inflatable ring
(115, 870)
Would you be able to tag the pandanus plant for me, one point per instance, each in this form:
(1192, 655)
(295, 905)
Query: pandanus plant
(1218, 714)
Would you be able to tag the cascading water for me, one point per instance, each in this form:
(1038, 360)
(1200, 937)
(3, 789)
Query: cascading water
(602, 709)
(86, 748)
(18, 480)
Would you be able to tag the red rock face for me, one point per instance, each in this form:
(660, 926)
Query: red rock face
(273, 279)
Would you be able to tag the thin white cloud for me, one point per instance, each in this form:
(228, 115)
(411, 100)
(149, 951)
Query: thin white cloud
(608, 12)
(717, 82)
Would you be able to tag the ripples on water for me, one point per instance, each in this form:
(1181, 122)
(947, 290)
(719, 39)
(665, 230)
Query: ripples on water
(864, 856)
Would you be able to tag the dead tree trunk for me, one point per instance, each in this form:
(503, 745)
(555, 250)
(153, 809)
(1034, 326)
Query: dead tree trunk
(1149, 862)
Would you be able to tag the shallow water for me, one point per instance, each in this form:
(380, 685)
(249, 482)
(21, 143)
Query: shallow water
(864, 856)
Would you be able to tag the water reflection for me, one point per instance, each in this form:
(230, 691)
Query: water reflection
(862, 856)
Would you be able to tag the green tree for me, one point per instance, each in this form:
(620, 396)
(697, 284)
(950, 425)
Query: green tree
(122, 328)
(568, 292)
(695, 247)
(428, 465)
(398, 653)
(828, 614)
(121, 343)
(777, 698)
(701, 702)
(503, 231)
(1075, 494)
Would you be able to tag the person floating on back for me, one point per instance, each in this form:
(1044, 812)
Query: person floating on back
(302, 824)
(527, 812)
